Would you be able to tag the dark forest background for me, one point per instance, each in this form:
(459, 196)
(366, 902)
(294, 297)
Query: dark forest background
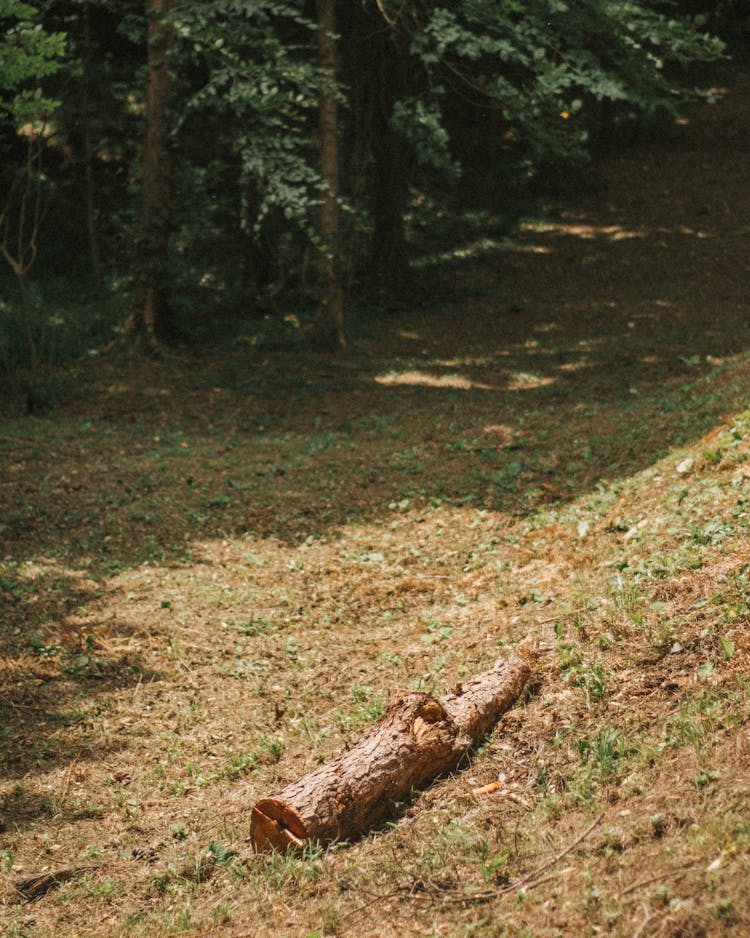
(271, 171)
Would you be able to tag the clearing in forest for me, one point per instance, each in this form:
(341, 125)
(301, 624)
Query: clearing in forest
(214, 574)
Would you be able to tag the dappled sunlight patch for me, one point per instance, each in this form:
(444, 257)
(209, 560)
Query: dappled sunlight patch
(614, 233)
(482, 247)
(503, 434)
(24, 667)
(57, 609)
(425, 379)
(571, 367)
(695, 232)
(591, 344)
(473, 361)
(525, 381)
(587, 232)
(532, 249)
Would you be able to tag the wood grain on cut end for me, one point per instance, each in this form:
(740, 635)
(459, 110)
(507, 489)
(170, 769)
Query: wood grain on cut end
(275, 826)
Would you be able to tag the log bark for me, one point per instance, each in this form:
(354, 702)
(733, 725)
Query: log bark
(417, 739)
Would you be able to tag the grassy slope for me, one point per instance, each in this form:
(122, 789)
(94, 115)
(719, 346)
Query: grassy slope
(213, 577)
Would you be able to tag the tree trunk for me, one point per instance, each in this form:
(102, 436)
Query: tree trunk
(417, 739)
(18, 243)
(156, 186)
(329, 324)
(391, 169)
(390, 193)
(88, 155)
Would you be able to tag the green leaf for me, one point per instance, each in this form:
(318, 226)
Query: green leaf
(706, 778)
(727, 646)
(220, 852)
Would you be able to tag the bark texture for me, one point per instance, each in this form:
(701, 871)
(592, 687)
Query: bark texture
(329, 326)
(87, 114)
(417, 739)
(156, 186)
(391, 172)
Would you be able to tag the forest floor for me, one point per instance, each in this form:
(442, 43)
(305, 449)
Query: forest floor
(215, 573)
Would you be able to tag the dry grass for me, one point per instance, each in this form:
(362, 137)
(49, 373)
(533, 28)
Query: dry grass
(214, 577)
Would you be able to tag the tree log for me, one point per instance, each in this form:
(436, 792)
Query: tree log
(417, 739)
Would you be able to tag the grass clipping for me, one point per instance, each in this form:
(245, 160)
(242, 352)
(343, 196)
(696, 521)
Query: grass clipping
(418, 738)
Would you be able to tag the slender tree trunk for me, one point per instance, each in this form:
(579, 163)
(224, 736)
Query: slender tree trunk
(329, 325)
(156, 186)
(88, 156)
(19, 230)
(389, 197)
(391, 166)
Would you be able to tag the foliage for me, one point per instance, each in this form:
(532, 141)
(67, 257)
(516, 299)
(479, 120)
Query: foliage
(543, 70)
(257, 79)
(28, 53)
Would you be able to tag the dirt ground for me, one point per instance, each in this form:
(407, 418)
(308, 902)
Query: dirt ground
(215, 571)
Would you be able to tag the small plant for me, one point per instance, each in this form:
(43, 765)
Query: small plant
(183, 920)
(222, 914)
(595, 682)
(267, 752)
(270, 749)
(281, 869)
(220, 852)
(704, 779)
(695, 721)
(436, 631)
(101, 889)
(366, 711)
(255, 625)
(178, 830)
(727, 647)
(712, 533)
(658, 824)
(184, 872)
(7, 856)
(604, 750)
(290, 647)
(726, 911)
(491, 864)
(37, 639)
(330, 921)
(408, 460)
(591, 677)
(611, 841)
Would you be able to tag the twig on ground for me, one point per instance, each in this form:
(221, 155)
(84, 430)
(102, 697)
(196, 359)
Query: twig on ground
(633, 887)
(529, 881)
(66, 782)
(644, 922)
(529, 878)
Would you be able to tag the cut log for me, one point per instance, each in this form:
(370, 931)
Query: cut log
(416, 740)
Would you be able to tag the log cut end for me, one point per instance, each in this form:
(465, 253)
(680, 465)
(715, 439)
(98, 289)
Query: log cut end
(274, 825)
